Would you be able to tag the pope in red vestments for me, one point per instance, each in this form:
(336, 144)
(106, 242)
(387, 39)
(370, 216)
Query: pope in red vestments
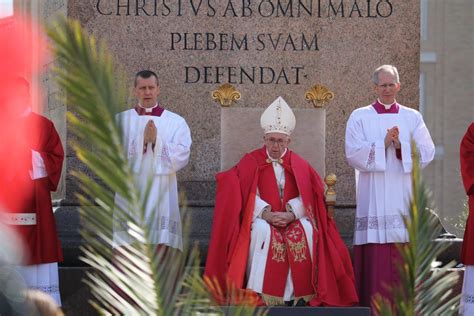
(271, 233)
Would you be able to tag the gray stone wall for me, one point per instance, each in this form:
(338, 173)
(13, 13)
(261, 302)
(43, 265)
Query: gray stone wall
(53, 99)
(335, 43)
(352, 37)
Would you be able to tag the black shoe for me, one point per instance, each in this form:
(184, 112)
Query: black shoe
(301, 302)
(289, 303)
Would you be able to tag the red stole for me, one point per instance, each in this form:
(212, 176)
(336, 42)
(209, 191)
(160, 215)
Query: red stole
(288, 246)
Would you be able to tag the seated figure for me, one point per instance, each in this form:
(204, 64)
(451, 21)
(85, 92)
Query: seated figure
(271, 233)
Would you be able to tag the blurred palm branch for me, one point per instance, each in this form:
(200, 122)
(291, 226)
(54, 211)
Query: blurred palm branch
(425, 288)
(137, 278)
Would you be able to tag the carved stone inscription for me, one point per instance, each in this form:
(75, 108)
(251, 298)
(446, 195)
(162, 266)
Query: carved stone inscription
(234, 13)
(265, 49)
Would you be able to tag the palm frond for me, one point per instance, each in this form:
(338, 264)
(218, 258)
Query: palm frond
(137, 278)
(422, 290)
(123, 280)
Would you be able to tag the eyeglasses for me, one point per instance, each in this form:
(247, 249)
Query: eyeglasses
(387, 85)
(274, 141)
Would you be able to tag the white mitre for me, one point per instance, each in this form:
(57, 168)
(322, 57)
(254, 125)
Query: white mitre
(278, 118)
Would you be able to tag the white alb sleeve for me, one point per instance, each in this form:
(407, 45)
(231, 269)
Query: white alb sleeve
(174, 155)
(296, 207)
(361, 154)
(424, 144)
(38, 167)
(260, 207)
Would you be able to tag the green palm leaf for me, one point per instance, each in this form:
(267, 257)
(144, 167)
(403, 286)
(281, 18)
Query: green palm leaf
(137, 278)
(123, 281)
(423, 290)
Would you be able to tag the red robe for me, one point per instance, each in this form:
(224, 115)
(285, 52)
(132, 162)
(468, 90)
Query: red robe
(332, 274)
(21, 194)
(467, 173)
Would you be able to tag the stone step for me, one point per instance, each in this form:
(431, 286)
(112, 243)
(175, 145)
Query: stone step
(75, 295)
(318, 311)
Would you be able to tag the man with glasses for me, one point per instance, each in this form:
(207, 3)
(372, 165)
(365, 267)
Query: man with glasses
(378, 147)
(271, 233)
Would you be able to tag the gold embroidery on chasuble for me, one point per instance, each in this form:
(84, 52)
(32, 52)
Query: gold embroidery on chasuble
(278, 246)
(309, 213)
(297, 243)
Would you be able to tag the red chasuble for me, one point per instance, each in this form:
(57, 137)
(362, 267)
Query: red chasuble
(467, 173)
(21, 194)
(331, 275)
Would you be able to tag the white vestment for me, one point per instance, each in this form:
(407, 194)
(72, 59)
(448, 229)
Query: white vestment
(383, 182)
(260, 237)
(42, 277)
(157, 166)
(467, 296)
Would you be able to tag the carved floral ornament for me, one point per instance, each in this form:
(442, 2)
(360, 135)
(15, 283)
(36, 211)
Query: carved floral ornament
(226, 94)
(319, 95)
